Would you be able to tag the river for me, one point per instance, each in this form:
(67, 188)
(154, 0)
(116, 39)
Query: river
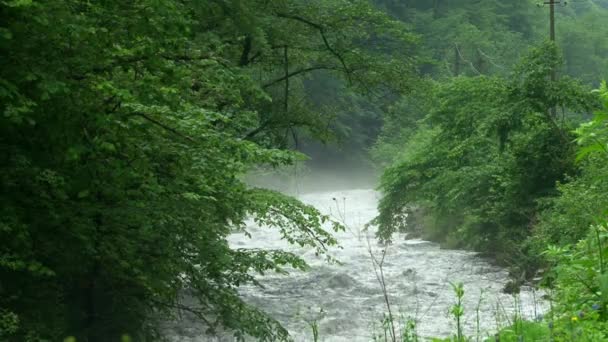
(345, 299)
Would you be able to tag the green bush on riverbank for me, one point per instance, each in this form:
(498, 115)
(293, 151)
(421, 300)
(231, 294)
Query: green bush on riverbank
(491, 169)
(562, 237)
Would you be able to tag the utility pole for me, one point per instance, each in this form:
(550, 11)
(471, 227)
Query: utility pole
(552, 4)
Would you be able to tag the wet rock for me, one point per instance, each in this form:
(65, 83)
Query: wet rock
(431, 294)
(512, 287)
(409, 272)
(340, 281)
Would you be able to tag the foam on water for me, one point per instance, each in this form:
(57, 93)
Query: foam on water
(346, 299)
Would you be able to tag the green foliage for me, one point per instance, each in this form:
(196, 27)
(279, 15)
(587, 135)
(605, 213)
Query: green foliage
(408, 331)
(491, 151)
(565, 219)
(526, 331)
(585, 42)
(582, 200)
(464, 37)
(578, 249)
(126, 129)
(489, 162)
(469, 38)
(579, 285)
(401, 121)
(593, 136)
(9, 323)
(457, 310)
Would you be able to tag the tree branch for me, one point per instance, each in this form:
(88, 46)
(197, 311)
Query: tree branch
(257, 130)
(321, 30)
(165, 127)
(297, 72)
(270, 124)
(200, 314)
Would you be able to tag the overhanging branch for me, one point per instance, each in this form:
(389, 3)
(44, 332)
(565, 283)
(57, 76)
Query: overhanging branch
(321, 30)
(165, 127)
(297, 72)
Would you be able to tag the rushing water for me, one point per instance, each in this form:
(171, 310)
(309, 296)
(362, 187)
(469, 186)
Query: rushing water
(345, 300)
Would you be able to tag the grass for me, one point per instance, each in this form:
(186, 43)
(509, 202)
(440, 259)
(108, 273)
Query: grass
(524, 331)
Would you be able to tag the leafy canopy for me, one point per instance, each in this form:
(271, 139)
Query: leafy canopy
(125, 130)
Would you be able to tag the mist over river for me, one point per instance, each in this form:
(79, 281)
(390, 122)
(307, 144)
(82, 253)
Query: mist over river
(346, 300)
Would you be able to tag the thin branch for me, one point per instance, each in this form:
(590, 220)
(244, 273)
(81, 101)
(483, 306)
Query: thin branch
(321, 30)
(257, 130)
(590, 288)
(276, 125)
(379, 272)
(297, 72)
(307, 230)
(165, 127)
(198, 313)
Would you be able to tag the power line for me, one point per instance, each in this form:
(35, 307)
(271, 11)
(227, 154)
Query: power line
(466, 61)
(490, 59)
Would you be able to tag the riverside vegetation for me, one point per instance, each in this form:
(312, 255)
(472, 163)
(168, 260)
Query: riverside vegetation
(484, 163)
(128, 127)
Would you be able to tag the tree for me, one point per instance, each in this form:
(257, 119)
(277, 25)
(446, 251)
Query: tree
(484, 155)
(126, 129)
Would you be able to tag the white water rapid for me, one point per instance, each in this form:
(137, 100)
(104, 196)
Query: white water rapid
(346, 301)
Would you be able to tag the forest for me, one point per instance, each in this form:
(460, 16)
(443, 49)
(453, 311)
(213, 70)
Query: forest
(130, 131)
